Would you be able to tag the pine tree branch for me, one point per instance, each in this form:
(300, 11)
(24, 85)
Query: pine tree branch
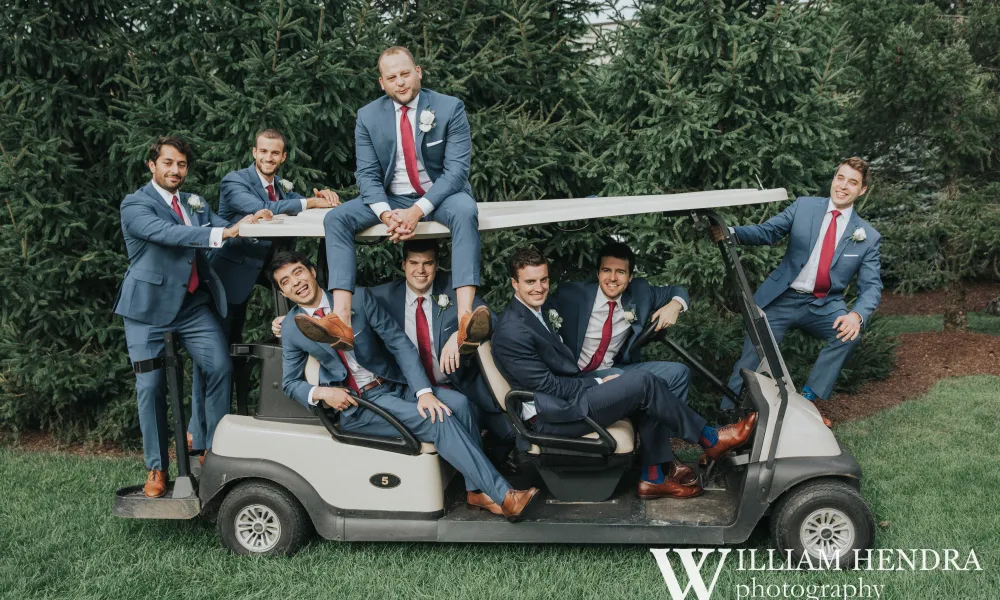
(277, 36)
(319, 30)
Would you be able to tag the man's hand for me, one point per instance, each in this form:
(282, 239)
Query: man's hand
(335, 398)
(276, 326)
(407, 219)
(849, 326)
(609, 377)
(667, 315)
(428, 403)
(716, 234)
(234, 229)
(323, 199)
(264, 214)
(449, 355)
(391, 221)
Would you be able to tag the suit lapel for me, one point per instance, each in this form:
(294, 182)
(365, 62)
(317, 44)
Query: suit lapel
(389, 127)
(255, 184)
(637, 324)
(852, 223)
(422, 104)
(438, 316)
(817, 223)
(586, 308)
(160, 205)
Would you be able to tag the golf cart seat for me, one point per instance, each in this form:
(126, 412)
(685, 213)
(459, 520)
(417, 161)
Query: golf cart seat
(574, 468)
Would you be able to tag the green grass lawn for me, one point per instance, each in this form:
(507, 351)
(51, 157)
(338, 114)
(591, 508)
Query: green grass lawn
(932, 472)
(978, 323)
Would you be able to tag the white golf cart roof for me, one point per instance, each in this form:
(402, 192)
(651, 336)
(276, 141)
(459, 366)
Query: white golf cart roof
(524, 213)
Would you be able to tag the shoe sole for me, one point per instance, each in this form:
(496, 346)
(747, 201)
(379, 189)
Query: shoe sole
(313, 331)
(480, 326)
(659, 496)
(497, 511)
(518, 517)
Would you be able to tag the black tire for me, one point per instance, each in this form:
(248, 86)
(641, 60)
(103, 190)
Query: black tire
(260, 518)
(846, 522)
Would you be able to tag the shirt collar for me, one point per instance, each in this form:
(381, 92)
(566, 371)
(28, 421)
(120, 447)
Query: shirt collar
(601, 301)
(167, 196)
(324, 303)
(846, 212)
(411, 296)
(412, 104)
(538, 312)
(263, 180)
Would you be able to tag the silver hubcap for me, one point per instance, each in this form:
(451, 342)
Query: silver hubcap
(827, 533)
(257, 528)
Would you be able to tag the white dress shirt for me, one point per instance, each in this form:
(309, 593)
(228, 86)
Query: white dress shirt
(806, 281)
(619, 330)
(411, 329)
(400, 184)
(362, 376)
(264, 182)
(215, 236)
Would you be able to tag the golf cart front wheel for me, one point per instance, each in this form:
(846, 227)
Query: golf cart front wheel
(263, 519)
(827, 519)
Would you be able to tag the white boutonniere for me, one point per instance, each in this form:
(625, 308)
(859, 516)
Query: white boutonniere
(287, 186)
(555, 320)
(629, 314)
(426, 120)
(443, 302)
(859, 235)
(195, 202)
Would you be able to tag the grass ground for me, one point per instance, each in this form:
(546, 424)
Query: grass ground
(978, 323)
(931, 467)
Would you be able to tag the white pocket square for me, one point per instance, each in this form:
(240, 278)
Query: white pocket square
(850, 256)
(205, 224)
(434, 143)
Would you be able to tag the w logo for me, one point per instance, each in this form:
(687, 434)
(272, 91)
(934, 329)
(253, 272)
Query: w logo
(693, 569)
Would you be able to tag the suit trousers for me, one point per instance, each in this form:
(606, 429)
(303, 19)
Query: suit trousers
(456, 438)
(794, 310)
(646, 399)
(232, 325)
(677, 375)
(457, 212)
(201, 335)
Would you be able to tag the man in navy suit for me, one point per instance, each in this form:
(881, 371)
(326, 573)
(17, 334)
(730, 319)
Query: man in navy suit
(171, 286)
(413, 150)
(424, 306)
(239, 266)
(806, 291)
(602, 319)
(531, 356)
(384, 368)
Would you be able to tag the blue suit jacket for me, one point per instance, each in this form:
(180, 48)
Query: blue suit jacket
(574, 301)
(801, 222)
(241, 194)
(467, 379)
(533, 358)
(380, 345)
(161, 250)
(445, 150)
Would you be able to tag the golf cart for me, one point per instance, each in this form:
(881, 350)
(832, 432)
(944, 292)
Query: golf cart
(274, 477)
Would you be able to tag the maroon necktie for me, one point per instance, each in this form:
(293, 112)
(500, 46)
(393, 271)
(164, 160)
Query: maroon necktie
(602, 348)
(193, 279)
(424, 342)
(826, 257)
(409, 151)
(349, 380)
(270, 193)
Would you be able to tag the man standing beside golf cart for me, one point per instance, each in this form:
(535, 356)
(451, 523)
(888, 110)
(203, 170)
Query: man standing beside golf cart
(806, 290)
(531, 356)
(413, 154)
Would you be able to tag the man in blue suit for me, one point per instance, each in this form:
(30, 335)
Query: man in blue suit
(806, 291)
(384, 368)
(170, 286)
(239, 266)
(413, 151)
(601, 319)
(531, 356)
(424, 306)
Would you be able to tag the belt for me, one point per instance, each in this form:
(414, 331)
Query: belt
(372, 385)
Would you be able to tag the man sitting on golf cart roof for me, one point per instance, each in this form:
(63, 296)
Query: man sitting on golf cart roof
(531, 356)
(603, 318)
(384, 369)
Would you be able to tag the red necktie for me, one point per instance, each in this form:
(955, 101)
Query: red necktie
(409, 151)
(424, 342)
(826, 257)
(270, 193)
(193, 279)
(349, 380)
(602, 348)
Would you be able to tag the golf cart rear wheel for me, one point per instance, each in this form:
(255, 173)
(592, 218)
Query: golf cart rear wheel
(825, 518)
(263, 519)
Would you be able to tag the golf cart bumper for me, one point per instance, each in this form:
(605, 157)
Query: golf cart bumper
(791, 471)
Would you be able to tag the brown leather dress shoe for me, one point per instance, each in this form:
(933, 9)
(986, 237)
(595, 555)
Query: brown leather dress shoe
(681, 473)
(190, 442)
(156, 484)
(473, 328)
(328, 329)
(732, 437)
(668, 489)
(482, 502)
(826, 421)
(516, 501)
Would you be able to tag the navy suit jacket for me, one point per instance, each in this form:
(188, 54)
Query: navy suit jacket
(467, 379)
(533, 358)
(380, 345)
(242, 194)
(801, 222)
(445, 150)
(574, 303)
(161, 250)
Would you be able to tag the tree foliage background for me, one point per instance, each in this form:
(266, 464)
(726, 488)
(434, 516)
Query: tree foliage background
(688, 95)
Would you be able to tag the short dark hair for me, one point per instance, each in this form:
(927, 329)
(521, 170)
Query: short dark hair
(418, 246)
(284, 258)
(271, 134)
(526, 257)
(617, 250)
(858, 164)
(174, 142)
